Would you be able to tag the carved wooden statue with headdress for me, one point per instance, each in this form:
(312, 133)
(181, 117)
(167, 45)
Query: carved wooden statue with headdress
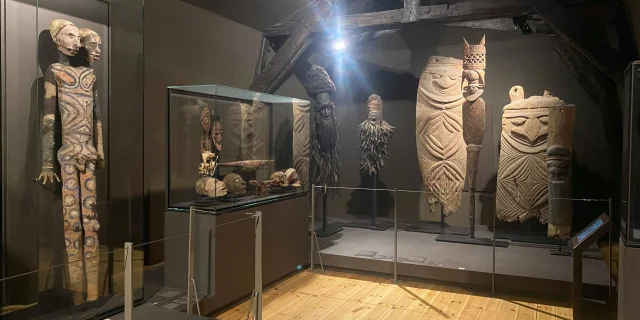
(326, 165)
(375, 136)
(70, 88)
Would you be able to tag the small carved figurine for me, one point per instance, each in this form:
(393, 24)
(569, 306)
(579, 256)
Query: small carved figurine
(292, 177)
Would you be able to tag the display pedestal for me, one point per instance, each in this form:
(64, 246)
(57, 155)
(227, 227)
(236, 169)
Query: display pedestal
(327, 229)
(468, 240)
(373, 225)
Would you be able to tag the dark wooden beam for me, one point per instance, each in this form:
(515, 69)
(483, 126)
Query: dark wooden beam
(570, 24)
(282, 76)
(410, 13)
(290, 50)
(391, 19)
(262, 58)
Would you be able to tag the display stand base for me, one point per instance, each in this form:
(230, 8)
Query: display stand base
(567, 253)
(332, 228)
(430, 227)
(474, 241)
(367, 225)
(530, 239)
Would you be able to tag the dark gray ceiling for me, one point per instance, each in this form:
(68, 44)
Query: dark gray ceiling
(257, 14)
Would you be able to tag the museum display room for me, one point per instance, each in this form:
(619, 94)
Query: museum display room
(319, 159)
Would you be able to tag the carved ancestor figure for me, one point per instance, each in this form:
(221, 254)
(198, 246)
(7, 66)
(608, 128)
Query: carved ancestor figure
(560, 145)
(71, 89)
(235, 184)
(442, 153)
(210, 142)
(522, 169)
(375, 136)
(473, 114)
(210, 187)
(301, 143)
(326, 165)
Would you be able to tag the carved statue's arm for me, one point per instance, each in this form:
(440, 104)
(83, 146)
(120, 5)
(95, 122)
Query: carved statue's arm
(48, 127)
(97, 127)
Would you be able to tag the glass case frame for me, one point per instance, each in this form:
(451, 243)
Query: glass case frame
(230, 106)
(629, 210)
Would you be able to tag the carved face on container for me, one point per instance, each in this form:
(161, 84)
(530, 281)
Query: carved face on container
(525, 121)
(444, 79)
(66, 36)
(91, 42)
(235, 184)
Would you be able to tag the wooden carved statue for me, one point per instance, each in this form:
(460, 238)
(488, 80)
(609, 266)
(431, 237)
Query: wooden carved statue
(326, 165)
(375, 136)
(205, 139)
(70, 89)
(210, 187)
(522, 169)
(301, 135)
(473, 114)
(210, 142)
(442, 153)
(559, 149)
(235, 184)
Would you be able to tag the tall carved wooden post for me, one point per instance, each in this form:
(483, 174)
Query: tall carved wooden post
(560, 144)
(473, 117)
(325, 169)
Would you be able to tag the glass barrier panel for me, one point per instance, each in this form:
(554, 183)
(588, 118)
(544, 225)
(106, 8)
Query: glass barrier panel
(354, 227)
(539, 254)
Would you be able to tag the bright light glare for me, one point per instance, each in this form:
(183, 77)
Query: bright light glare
(340, 45)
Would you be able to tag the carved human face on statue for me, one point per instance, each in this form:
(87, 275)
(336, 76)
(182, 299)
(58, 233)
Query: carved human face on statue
(444, 79)
(216, 133)
(235, 184)
(66, 36)
(92, 43)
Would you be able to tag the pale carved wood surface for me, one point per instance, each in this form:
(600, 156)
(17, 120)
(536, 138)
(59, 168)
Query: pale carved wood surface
(301, 143)
(338, 295)
(442, 153)
(522, 168)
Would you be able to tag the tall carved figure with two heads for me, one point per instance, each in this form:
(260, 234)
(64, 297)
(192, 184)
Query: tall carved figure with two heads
(71, 89)
(442, 152)
(522, 169)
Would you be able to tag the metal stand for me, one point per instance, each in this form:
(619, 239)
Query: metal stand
(128, 281)
(395, 235)
(373, 224)
(327, 230)
(190, 262)
(256, 298)
(472, 213)
(576, 296)
(312, 234)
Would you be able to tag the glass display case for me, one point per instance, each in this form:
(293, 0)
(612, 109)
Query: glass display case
(630, 215)
(72, 188)
(230, 148)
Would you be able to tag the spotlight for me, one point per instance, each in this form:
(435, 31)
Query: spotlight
(339, 45)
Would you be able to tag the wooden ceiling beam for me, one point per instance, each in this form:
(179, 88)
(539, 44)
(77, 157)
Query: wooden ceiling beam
(390, 19)
(274, 72)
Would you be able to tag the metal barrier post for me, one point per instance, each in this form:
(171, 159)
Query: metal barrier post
(610, 249)
(395, 232)
(493, 273)
(128, 281)
(190, 261)
(257, 312)
(312, 227)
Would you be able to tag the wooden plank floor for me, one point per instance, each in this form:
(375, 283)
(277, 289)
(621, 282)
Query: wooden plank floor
(339, 295)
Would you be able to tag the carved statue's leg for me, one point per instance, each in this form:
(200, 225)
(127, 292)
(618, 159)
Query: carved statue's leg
(72, 229)
(91, 227)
